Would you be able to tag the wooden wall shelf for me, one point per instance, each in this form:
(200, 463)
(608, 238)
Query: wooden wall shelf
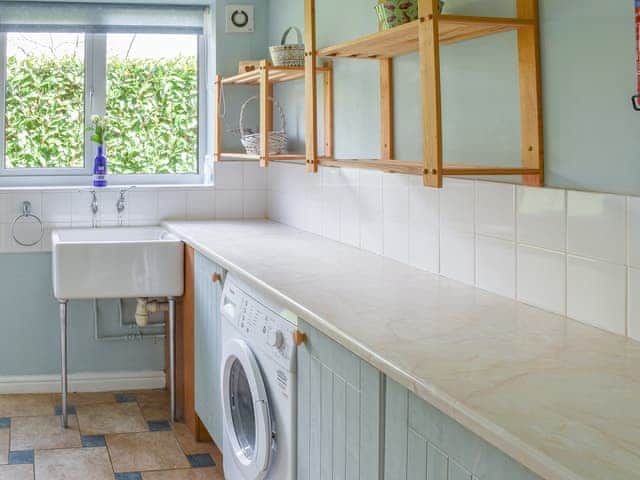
(425, 36)
(265, 76)
(404, 38)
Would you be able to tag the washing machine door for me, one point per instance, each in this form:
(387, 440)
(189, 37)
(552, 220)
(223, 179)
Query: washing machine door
(247, 417)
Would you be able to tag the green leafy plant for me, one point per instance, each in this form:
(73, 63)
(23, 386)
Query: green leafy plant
(100, 127)
(152, 111)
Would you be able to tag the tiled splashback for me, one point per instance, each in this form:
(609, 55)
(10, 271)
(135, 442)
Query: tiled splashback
(569, 252)
(240, 192)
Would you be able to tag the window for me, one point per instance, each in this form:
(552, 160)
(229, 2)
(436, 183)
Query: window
(152, 97)
(142, 67)
(44, 101)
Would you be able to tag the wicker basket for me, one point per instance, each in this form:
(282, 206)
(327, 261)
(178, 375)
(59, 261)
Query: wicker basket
(277, 139)
(288, 55)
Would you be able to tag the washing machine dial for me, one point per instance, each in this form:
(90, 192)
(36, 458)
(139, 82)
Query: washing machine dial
(276, 339)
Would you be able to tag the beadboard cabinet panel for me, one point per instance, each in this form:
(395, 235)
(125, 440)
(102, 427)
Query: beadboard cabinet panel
(340, 401)
(208, 347)
(422, 443)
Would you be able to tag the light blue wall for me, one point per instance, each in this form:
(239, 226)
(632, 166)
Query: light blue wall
(230, 48)
(588, 61)
(30, 331)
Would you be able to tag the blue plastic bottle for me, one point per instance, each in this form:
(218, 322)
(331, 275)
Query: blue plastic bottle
(100, 168)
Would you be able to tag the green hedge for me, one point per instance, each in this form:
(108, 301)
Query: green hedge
(152, 105)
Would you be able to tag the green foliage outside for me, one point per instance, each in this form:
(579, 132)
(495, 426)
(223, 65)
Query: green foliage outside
(152, 107)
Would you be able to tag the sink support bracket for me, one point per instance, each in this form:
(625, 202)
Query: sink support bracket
(172, 356)
(63, 370)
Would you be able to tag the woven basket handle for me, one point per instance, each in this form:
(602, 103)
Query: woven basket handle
(286, 33)
(283, 123)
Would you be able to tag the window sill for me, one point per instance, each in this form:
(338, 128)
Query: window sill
(112, 188)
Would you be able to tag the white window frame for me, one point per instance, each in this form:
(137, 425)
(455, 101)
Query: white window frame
(94, 104)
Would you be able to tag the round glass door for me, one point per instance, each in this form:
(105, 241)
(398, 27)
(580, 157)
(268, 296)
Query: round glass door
(242, 412)
(247, 419)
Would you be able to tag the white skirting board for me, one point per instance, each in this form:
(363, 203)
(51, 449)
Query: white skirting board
(84, 382)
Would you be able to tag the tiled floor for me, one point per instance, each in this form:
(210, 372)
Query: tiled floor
(111, 436)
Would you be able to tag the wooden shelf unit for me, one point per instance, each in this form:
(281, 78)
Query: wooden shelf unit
(425, 36)
(265, 76)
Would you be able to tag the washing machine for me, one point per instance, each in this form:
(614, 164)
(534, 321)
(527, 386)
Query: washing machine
(258, 386)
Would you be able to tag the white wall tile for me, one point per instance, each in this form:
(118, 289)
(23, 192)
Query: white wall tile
(331, 212)
(633, 322)
(312, 205)
(255, 177)
(495, 210)
(496, 265)
(633, 237)
(143, 207)
(4, 208)
(16, 199)
(596, 293)
(596, 226)
(27, 230)
(108, 213)
(201, 204)
(229, 175)
(349, 209)
(56, 207)
(172, 205)
(229, 204)
(254, 204)
(371, 217)
(457, 199)
(542, 278)
(81, 208)
(457, 255)
(542, 217)
(424, 228)
(395, 205)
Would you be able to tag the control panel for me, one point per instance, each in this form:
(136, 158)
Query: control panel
(258, 325)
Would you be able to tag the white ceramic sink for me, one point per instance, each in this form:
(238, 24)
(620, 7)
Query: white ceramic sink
(116, 263)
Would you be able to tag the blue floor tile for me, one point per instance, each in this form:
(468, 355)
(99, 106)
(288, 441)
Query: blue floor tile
(20, 457)
(91, 441)
(128, 476)
(125, 397)
(71, 410)
(201, 460)
(159, 425)
(5, 422)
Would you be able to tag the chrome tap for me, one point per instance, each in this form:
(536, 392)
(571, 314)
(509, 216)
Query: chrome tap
(94, 202)
(121, 204)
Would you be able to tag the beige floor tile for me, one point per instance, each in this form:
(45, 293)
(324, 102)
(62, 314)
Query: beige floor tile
(91, 398)
(139, 452)
(73, 464)
(154, 404)
(16, 472)
(188, 442)
(110, 418)
(27, 405)
(41, 433)
(193, 474)
(4, 446)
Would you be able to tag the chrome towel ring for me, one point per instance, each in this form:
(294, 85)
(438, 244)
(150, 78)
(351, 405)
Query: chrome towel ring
(26, 215)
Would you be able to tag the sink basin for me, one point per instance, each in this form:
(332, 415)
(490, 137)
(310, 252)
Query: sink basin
(116, 263)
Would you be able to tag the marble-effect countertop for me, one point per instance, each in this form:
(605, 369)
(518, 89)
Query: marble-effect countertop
(560, 397)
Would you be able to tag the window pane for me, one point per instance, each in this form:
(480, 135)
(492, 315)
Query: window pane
(152, 102)
(44, 100)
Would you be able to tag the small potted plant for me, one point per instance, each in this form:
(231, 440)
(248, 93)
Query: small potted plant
(100, 127)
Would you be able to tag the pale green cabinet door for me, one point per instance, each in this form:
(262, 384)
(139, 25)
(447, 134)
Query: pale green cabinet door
(208, 345)
(422, 443)
(340, 399)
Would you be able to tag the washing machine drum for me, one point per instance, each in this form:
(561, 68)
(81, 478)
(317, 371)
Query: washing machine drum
(247, 418)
